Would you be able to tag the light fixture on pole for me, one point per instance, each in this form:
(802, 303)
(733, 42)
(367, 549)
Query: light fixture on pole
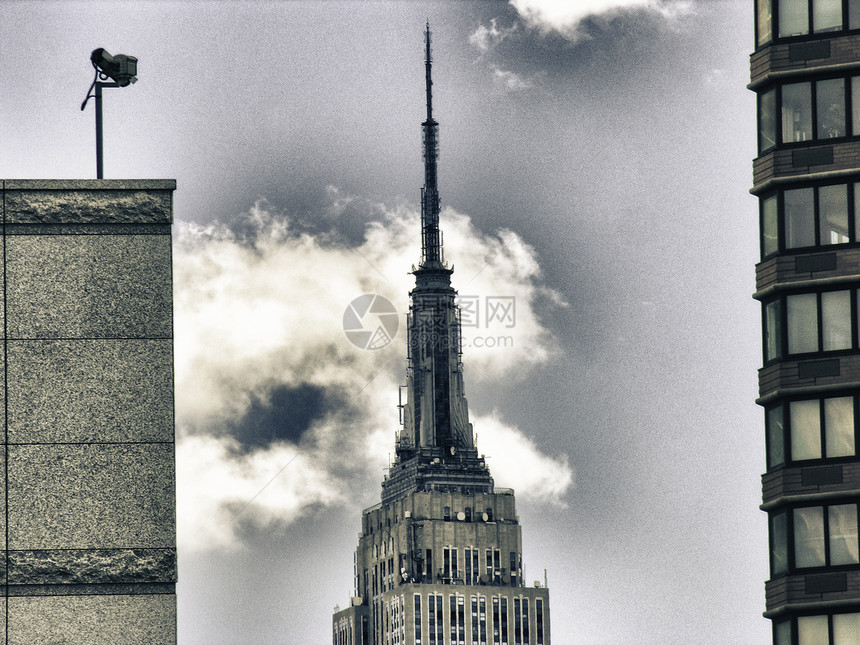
(122, 70)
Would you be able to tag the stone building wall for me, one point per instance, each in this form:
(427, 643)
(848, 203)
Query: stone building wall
(88, 468)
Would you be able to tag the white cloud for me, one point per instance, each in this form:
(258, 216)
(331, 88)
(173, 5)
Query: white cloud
(263, 309)
(486, 38)
(565, 16)
(509, 80)
(517, 462)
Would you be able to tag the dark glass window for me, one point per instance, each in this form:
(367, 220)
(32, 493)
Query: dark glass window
(782, 633)
(773, 330)
(778, 544)
(767, 120)
(769, 226)
(774, 421)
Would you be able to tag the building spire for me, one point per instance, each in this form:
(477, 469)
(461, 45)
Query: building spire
(435, 414)
(431, 241)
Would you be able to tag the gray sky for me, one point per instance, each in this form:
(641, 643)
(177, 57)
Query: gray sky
(594, 166)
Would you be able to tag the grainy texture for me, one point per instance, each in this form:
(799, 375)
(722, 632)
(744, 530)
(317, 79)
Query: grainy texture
(85, 620)
(78, 496)
(89, 286)
(107, 390)
(91, 566)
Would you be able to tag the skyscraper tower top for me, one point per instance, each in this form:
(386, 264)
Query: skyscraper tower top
(442, 553)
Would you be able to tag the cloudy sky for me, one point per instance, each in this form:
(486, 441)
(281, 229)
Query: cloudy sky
(595, 163)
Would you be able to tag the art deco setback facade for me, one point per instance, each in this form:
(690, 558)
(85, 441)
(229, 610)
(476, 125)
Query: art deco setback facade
(805, 71)
(87, 484)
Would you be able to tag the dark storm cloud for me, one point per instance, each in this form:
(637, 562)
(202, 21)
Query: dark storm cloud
(284, 414)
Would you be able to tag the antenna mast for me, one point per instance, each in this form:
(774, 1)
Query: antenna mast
(431, 245)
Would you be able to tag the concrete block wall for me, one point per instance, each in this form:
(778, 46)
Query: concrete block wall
(87, 492)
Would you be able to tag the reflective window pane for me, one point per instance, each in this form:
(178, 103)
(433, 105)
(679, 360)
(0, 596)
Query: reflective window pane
(796, 112)
(782, 633)
(839, 426)
(779, 544)
(764, 33)
(830, 112)
(805, 430)
(826, 15)
(842, 522)
(809, 537)
(793, 18)
(836, 320)
(799, 208)
(855, 105)
(772, 330)
(846, 628)
(854, 14)
(767, 120)
(802, 314)
(833, 214)
(769, 228)
(812, 630)
(775, 437)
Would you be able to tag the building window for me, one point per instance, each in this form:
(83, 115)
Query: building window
(811, 429)
(772, 330)
(814, 322)
(833, 629)
(518, 627)
(808, 111)
(417, 619)
(818, 536)
(539, 620)
(763, 18)
(767, 120)
(482, 620)
(807, 217)
(504, 619)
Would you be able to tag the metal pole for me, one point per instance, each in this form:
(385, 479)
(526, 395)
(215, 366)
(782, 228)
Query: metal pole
(99, 151)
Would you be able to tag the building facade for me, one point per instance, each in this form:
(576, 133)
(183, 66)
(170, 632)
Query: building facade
(88, 476)
(805, 71)
(439, 559)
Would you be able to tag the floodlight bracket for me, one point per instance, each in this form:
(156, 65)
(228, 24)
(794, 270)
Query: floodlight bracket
(98, 84)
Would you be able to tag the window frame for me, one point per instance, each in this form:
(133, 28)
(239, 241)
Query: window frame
(789, 546)
(789, 627)
(771, 9)
(777, 135)
(777, 197)
(781, 325)
(787, 430)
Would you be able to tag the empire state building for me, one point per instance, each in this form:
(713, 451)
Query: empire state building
(439, 559)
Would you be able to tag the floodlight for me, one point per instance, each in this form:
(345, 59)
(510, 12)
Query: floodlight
(120, 69)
